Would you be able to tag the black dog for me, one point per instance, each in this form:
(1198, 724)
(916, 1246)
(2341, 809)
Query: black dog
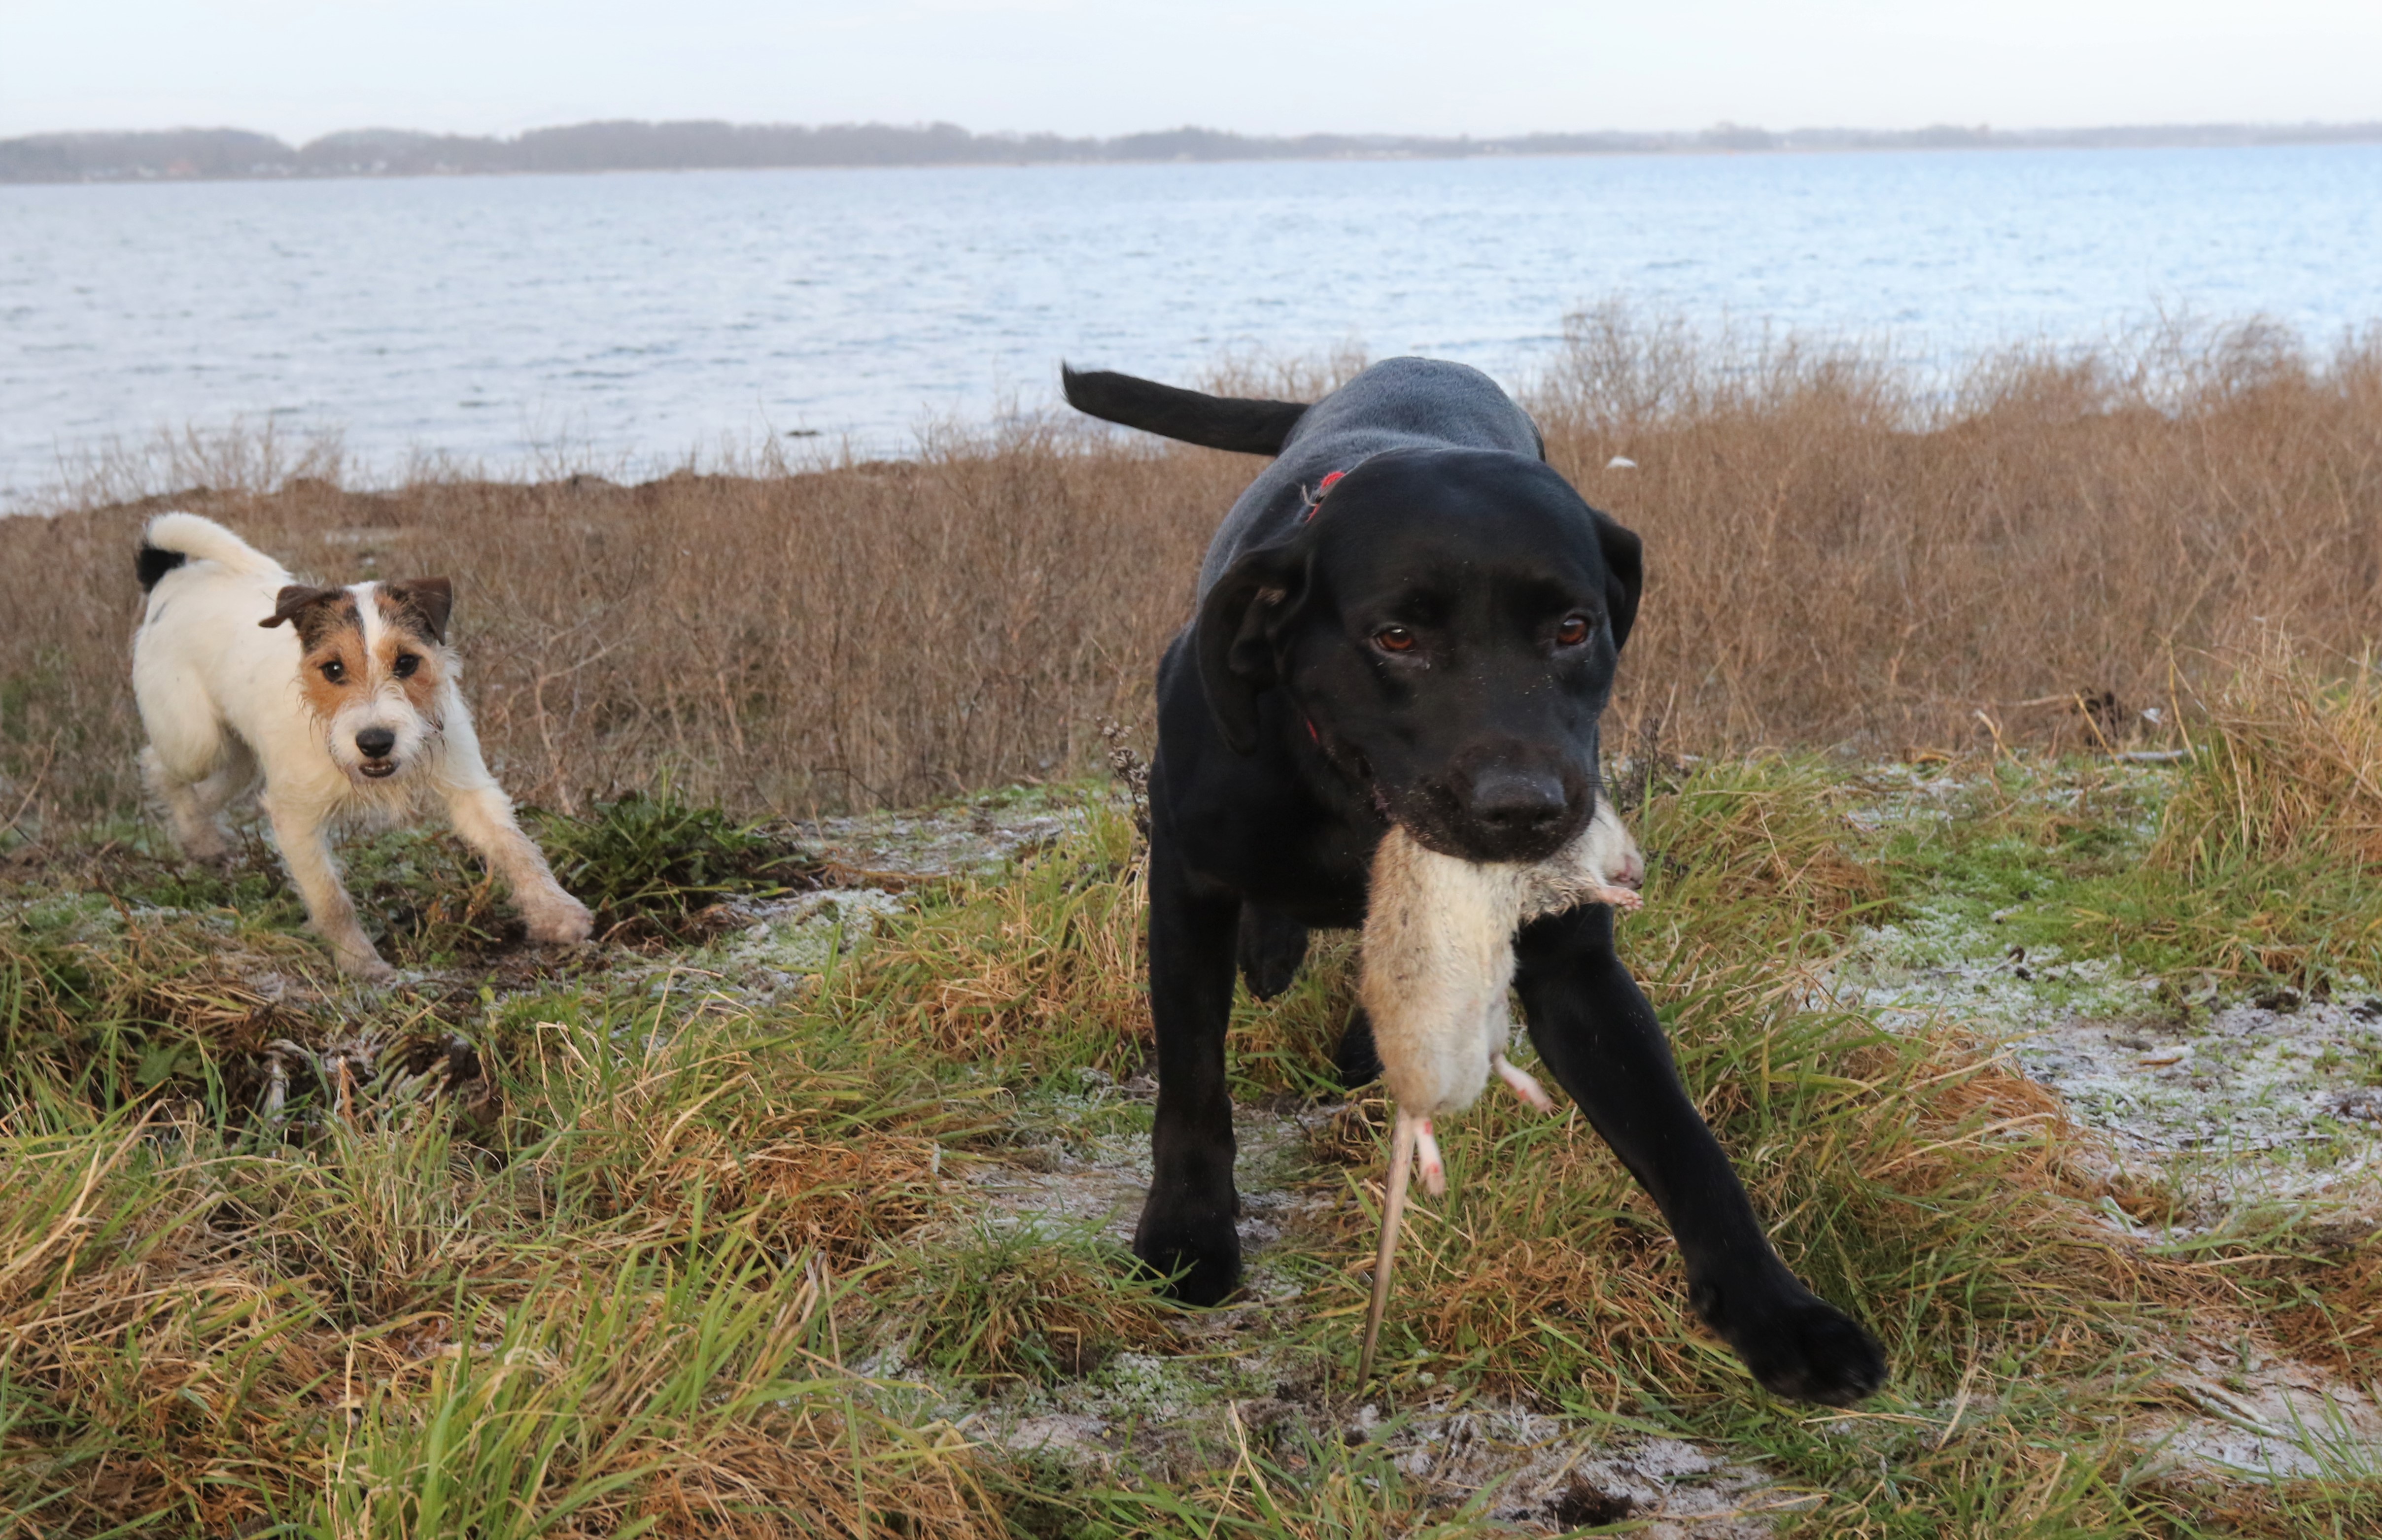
(1410, 616)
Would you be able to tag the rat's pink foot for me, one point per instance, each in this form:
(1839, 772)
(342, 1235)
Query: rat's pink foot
(1523, 1084)
(1427, 1165)
(1619, 898)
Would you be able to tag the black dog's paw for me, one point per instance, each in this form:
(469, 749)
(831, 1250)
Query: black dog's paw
(1200, 1254)
(1817, 1353)
(1797, 1345)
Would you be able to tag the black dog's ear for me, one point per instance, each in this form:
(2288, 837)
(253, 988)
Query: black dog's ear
(1625, 575)
(1238, 622)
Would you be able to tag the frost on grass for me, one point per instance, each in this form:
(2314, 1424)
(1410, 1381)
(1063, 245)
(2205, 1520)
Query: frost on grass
(2234, 1101)
(2255, 1414)
(976, 838)
(785, 943)
(1542, 1470)
(2261, 1108)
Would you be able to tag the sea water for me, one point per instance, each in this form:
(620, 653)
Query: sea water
(631, 321)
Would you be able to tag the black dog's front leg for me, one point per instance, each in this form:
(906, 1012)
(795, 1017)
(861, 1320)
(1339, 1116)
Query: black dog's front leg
(1186, 1223)
(1599, 1036)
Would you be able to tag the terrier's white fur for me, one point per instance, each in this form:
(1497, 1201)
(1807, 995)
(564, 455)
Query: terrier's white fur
(231, 696)
(1437, 961)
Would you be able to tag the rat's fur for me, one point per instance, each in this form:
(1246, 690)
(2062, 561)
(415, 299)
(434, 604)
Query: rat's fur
(1437, 962)
(1438, 958)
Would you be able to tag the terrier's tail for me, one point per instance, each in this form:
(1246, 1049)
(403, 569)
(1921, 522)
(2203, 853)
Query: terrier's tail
(172, 539)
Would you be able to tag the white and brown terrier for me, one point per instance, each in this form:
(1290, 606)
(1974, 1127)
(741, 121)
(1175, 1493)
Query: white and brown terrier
(341, 701)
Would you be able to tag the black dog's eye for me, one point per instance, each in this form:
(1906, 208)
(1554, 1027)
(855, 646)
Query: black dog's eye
(1572, 632)
(406, 664)
(1394, 639)
(335, 670)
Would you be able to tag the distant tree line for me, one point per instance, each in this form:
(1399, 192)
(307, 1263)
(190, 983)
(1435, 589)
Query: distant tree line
(633, 146)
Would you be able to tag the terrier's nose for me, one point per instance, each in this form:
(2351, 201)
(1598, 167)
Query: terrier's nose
(375, 742)
(1518, 801)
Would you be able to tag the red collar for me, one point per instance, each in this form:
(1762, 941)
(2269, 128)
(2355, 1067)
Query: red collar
(1321, 488)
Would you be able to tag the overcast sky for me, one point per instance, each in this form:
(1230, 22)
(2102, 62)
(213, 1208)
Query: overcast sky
(300, 67)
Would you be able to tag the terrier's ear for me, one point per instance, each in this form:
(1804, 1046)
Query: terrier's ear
(432, 600)
(291, 601)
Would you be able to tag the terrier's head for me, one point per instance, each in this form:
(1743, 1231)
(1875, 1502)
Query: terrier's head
(372, 658)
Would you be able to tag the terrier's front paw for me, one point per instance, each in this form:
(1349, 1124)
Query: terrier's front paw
(364, 966)
(562, 921)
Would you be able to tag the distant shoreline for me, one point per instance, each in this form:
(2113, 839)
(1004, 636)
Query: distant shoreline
(238, 154)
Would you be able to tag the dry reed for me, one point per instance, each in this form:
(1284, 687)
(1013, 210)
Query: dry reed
(2292, 768)
(1841, 552)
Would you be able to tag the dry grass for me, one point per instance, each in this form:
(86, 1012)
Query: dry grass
(880, 634)
(637, 1287)
(1005, 1298)
(2267, 863)
(621, 1322)
(2291, 766)
(118, 1003)
(191, 1367)
(1025, 971)
(1839, 549)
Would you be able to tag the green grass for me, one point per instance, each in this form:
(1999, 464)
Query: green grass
(669, 1252)
(1008, 1299)
(2082, 862)
(654, 863)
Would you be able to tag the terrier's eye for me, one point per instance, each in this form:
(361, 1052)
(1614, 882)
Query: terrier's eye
(335, 670)
(1572, 632)
(1394, 639)
(406, 664)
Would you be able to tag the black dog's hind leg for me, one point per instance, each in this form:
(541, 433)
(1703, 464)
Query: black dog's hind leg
(1599, 1036)
(1186, 1223)
(1357, 1059)
(1270, 949)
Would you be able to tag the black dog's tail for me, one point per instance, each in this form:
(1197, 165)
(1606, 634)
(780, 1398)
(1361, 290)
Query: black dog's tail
(1244, 426)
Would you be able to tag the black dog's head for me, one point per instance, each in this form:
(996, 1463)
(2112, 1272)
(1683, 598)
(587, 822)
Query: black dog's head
(1448, 622)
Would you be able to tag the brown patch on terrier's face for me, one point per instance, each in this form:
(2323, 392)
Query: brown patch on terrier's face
(413, 626)
(333, 661)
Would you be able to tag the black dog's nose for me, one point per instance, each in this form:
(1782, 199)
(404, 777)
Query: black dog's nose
(1517, 800)
(375, 742)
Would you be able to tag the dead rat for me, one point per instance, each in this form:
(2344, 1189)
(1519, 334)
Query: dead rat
(1438, 958)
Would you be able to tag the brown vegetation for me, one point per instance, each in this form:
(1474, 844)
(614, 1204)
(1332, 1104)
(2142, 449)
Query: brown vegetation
(2295, 768)
(1837, 554)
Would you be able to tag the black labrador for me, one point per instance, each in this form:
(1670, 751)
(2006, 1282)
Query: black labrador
(1410, 616)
